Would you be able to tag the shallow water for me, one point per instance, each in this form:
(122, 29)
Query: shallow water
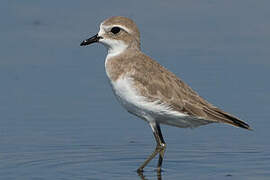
(60, 120)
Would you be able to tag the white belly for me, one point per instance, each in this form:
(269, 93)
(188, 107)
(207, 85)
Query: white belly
(130, 98)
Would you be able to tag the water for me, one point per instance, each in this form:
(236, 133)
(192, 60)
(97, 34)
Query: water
(60, 120)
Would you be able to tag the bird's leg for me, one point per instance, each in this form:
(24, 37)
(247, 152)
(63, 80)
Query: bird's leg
(160, 148)
(163, 148)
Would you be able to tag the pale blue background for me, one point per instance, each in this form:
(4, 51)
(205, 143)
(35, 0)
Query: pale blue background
(60, 120)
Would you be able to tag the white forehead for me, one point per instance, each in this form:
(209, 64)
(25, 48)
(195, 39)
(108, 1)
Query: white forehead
(106, 28)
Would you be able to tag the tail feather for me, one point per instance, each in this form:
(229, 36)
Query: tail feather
(236, 122)
(221, 116)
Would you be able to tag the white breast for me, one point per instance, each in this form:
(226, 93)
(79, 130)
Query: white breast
(129, 97)
(126, 94)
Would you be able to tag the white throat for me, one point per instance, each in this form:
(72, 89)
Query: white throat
(115, 47)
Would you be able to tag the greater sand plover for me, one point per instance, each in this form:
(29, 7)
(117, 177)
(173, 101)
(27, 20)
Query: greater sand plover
(148, 90)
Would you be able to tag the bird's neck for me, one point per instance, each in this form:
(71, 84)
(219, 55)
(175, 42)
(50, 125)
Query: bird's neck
(120, 63)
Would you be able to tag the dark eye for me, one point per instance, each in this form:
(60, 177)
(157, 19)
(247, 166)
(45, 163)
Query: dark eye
(115, 30)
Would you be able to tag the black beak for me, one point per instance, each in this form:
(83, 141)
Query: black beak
(91, 40)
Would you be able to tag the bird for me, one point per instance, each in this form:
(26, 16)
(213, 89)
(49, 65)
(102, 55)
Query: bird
(148, 90)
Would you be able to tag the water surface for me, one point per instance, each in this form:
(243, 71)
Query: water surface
(60, 120)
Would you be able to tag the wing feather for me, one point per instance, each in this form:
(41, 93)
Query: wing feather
(157, 83)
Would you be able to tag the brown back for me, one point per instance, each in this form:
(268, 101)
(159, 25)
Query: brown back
(157, 83)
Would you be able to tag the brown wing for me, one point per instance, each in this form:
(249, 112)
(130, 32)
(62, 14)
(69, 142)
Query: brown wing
(157, 83)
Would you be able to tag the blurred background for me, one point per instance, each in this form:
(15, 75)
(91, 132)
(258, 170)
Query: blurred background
(60, 120)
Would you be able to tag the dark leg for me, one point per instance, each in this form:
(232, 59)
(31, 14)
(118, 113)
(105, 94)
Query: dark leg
(160, 148)
(162, 151)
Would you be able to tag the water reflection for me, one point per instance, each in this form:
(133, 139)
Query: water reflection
(142, 176)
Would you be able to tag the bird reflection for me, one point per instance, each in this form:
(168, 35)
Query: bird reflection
(142, 176)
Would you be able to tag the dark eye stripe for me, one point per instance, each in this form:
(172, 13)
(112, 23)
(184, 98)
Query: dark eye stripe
(115, 30)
